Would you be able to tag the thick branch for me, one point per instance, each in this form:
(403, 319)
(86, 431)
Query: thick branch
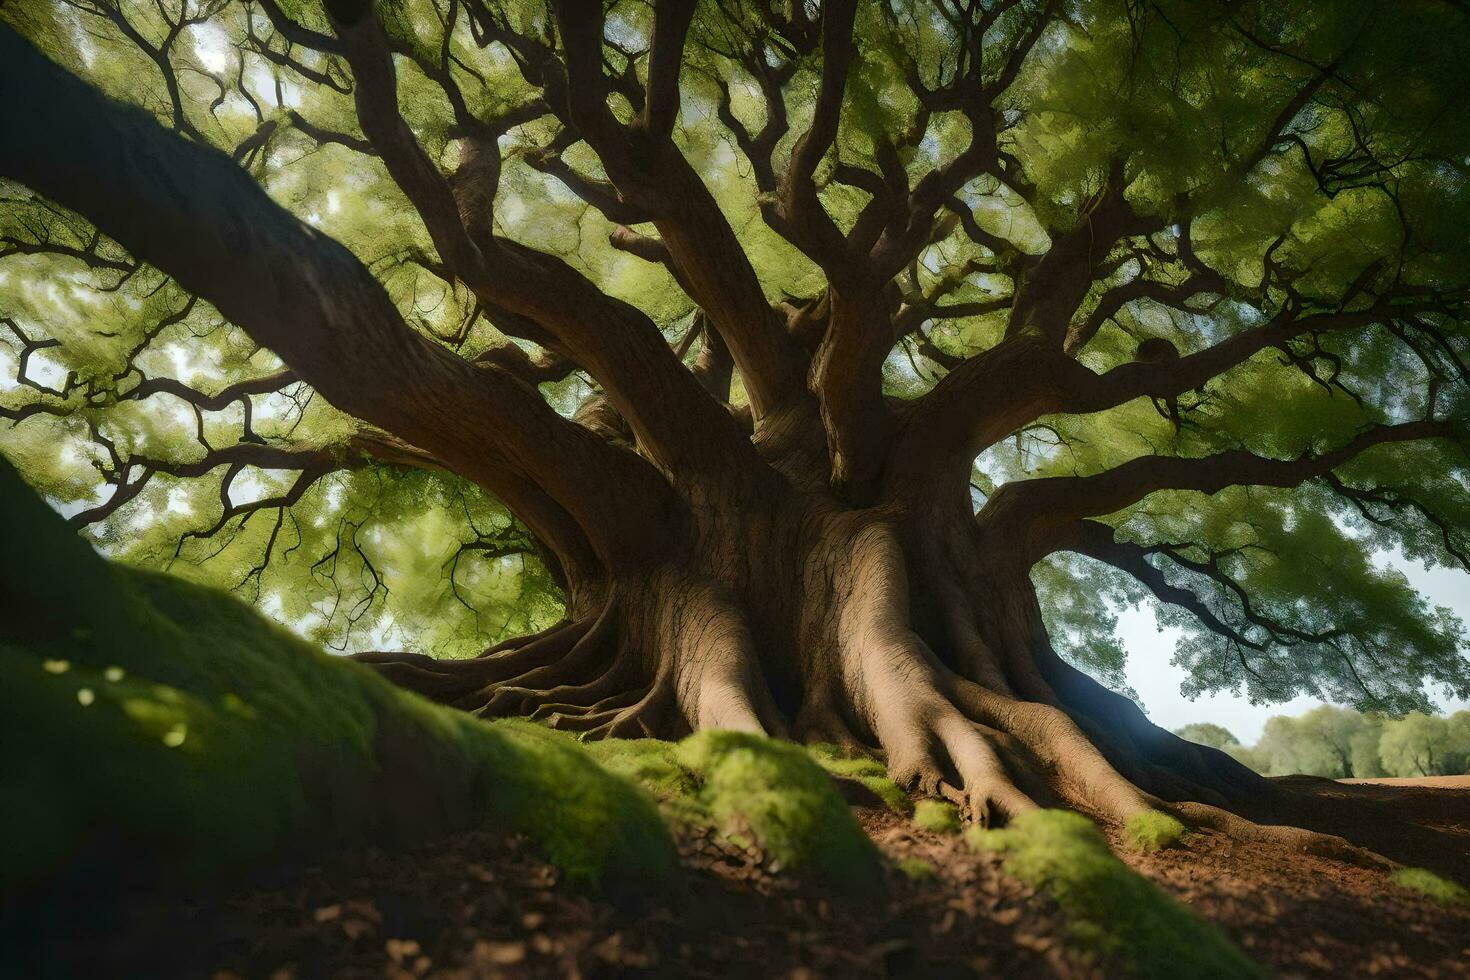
(1039, 510)
(674, 419)
(303, 295)
(651, 173)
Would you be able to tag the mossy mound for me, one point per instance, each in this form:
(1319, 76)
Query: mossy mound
(1426, 882)
(154, 730)
(1112, 910)
(1153, 831)
(937, 817)
(758, 792)
(867, 772)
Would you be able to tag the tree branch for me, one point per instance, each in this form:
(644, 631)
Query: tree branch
(307, 298)
(1038, 511)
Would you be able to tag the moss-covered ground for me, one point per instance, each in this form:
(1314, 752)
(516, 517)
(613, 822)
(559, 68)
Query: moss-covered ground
(1110, 907)
(148, 722)
(937, 817)
(769, 796)
(1152, 831)
(1426, 882)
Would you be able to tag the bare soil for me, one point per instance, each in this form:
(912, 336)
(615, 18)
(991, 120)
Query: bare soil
(482, 905)
(1431, 782)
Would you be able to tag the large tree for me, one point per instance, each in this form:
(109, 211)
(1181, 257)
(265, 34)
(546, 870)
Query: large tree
(843, 365)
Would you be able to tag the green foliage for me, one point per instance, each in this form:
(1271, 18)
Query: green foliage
(1206, 733)
(1428, 883)
(172, 718)
(1112, 910)
(937, 817)
(1326, 741)
(1153, 831)
(1339, 742)
(1080, 601)
(1416, 745)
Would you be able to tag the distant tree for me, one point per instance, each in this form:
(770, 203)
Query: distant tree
(1457, 755)
(1281, 751)
(1249, 756)
(1347, 736)
(1326, 741)
(1207, 733)
(1415, 745)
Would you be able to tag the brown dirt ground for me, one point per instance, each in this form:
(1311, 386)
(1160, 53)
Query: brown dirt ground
(481, 905)
(1432, 782)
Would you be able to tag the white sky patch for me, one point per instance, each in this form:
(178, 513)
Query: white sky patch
(212, 46)
(178, 501)
(45, 368)
(1153, 674)
(254, 484)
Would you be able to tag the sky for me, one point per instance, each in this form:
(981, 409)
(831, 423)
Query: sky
(1157, 680)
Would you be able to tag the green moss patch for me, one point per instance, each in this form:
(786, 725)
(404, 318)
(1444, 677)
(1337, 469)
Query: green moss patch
(154, 723)
(1153, 831)
(1426, 882)
(770, 796)
(937, 817)
(869, 773)
(916, 869)
(1112, 910)
(775, 792)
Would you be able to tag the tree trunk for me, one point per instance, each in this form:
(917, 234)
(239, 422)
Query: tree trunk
(902, 628)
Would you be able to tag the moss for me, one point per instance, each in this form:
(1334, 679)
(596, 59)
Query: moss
(937, 817)
(1426, 882)
(1152, 831)
(1112, 910)
(774, 792)
(871, 774)
(654, 765)
(916, 869)
(146, 716)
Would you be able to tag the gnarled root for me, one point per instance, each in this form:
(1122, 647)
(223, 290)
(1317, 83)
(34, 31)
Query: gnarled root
(674, 657)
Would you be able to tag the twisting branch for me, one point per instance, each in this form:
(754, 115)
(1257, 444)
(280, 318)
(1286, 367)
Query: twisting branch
(266, 271)
(1098, 541)
(674, 419)
(652, 175)
(1040, 510)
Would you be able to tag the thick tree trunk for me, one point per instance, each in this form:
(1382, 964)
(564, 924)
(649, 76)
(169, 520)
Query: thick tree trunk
(902, 628)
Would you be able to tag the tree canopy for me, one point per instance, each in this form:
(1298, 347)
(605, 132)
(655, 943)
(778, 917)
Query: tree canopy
(1238, 230)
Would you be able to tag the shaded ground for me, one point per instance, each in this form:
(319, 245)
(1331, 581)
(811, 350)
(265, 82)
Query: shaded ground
(1305, 916)
(481, 905)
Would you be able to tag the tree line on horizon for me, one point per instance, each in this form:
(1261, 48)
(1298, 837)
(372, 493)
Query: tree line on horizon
(1341, 743)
